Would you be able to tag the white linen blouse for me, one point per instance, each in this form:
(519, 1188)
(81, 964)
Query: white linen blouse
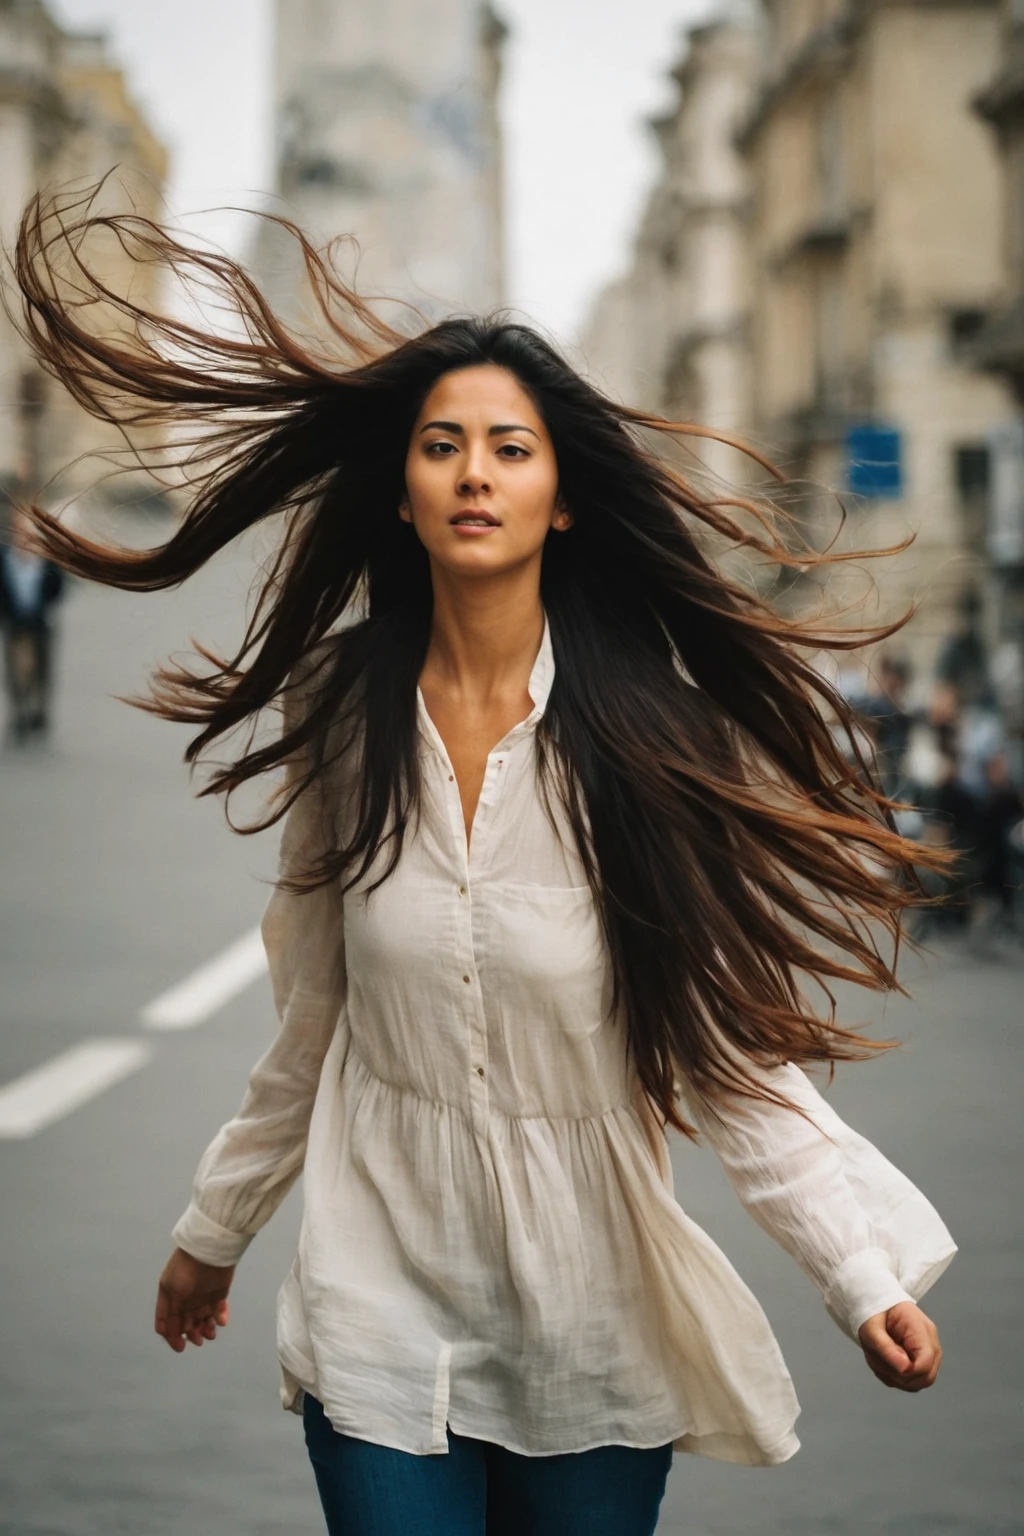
(490, 1239)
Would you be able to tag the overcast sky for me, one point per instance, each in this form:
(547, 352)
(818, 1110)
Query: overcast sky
(582, 75)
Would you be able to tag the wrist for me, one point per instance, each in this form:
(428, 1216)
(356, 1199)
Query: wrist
(862, 1288)
(206, 1241)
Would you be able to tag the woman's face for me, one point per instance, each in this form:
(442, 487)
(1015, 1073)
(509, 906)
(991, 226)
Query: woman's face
(481, 476)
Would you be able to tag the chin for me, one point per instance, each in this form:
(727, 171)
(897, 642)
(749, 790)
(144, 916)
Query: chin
(474, 562)
(477, 569)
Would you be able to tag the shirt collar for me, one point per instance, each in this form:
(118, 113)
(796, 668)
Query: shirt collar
(542, 676)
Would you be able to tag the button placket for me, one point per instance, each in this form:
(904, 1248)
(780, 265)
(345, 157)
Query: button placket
(487, 810)
(477, 1031)
(469, 979)
(490, 794)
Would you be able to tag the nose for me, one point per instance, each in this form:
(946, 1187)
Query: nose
(474, 478)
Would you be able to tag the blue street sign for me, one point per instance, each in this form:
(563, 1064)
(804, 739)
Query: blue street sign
(873, 461)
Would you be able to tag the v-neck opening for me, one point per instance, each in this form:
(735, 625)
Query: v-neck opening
(437, 741)
(538, 687)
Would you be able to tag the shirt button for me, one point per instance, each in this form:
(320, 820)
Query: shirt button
(465, 978)
(480, 1072)
(462, 890)
(451, 778)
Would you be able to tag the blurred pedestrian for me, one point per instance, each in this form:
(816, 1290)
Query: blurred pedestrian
(562, 810)
(943, 716)
(30, 587)
(962, 662)
(999, 816)
(981, 738)
(885, 712)
(951, 815)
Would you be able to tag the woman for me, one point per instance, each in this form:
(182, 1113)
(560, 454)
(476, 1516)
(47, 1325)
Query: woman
(567, 836)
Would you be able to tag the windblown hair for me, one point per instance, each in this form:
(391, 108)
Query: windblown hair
(735, 853)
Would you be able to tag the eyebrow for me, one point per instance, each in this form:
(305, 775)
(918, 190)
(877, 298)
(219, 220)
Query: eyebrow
(453, 426)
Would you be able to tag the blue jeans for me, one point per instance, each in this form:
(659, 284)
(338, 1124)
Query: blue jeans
(480, 1489)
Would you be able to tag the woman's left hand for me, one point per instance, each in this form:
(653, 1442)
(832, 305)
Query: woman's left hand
(902, 1347)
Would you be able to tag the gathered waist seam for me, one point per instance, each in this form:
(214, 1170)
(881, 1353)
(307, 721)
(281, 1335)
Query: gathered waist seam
(465, 1114)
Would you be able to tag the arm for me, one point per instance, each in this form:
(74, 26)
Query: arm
(253, 1161)
(861, 1231)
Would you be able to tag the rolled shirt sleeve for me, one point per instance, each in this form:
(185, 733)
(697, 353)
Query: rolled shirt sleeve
(861, 1231)
(255, 1158)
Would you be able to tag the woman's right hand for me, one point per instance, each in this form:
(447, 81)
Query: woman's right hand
(192, 1300)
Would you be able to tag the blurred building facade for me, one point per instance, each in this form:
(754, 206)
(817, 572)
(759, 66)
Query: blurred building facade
(1000, 348)
(388, 131)
(827, 227)
(876, 234)
(673, 334)
(66, 117)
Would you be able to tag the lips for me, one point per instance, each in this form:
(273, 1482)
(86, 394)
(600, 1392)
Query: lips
(474, 517)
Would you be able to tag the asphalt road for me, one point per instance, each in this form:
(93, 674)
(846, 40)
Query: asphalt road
(114, 885)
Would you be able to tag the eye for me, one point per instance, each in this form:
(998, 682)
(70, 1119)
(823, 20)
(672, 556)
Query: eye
(513, 451)
(441, 450)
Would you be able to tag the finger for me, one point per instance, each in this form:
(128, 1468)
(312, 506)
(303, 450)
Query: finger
(890, 1364)
(924, 1351)
(176, 1340)
(912, 1328)
(209, 1329)
(172, 1328)
(876, 1340)
(911, 1381)
(925, 1371)
(910, 1337)
(887, 1377)
(166, 1318)
(923, 1358)
(221, 1313)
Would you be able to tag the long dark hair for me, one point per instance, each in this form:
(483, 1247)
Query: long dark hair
(735, 853)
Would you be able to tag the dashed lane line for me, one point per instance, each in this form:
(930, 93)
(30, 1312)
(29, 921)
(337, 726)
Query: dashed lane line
(49, 1092)
(209, 988)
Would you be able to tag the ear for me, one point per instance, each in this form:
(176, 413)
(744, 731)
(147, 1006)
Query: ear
(562, 518)
(404, 510)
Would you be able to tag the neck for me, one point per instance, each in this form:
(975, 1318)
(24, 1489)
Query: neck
(485, 634)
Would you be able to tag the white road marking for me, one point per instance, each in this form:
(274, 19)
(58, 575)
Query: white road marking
(30, 1103)
(53, 1090)
(193, 1000)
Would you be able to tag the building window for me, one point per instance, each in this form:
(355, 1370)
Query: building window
(1013, 194)
(681, 384)
(330, 173)
(965, 325)
(832, 192)
(830, 334)
(972, 477)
